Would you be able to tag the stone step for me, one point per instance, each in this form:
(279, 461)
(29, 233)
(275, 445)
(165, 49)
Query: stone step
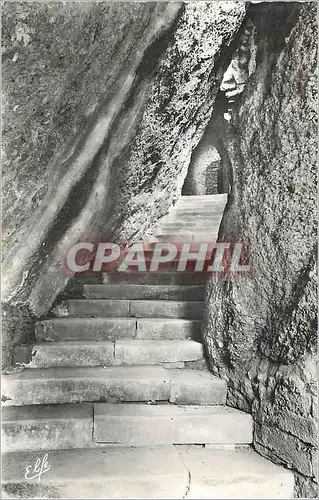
(62, 426)
(221, 197)
(102, 329)
(194, 387)
(138, 425)
(210, 231)
(105, 472)
(119, 352)
(185, 226)
(90, 329)
(179, 217)
(183, 232)
(182, 215)
(200, 211)
(223, 474)
(199, 206)
(164, 278)
(190, 246)
(47, 427)
(149, 248)
(179, 237)
(135, 308)
(167, 309)
(146, 472)
(99, 308)
(140, 292)
(167, 328)
(112, 384)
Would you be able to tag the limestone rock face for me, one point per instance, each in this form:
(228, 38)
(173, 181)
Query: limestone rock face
(104, 103)
(261, 329)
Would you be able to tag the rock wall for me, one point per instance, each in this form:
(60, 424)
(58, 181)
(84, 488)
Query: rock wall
(260, 330)
(206, 173)
(103, 105)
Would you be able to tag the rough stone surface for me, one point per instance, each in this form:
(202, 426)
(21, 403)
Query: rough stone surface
(261, 329)
(17, 328)
(103, 105)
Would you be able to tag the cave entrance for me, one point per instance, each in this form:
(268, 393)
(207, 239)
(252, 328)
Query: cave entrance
(208, 171)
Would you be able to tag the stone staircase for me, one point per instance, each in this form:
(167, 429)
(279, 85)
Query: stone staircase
(193, 218)
(118, 396)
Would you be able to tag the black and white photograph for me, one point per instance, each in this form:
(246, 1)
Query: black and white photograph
(159, 249)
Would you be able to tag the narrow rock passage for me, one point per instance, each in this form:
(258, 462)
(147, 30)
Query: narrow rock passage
(116, 389)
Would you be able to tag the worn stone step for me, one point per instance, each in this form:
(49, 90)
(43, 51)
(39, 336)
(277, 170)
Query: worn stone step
(221, 197)
(47, 427)
(206, 200)
(180, 245)
(204, 235)
(181, 237)
(95, 329)
(194, 246)
(234, 474)
(109, 353)
(180, 217)
(186, 226)
(135, 308)
(195, 387)
(188, 222)
(198, 207)
(102, 329)
(147, 472)
(77, 385)
(211, 197)
(157, 351)
(150, 292)
(174, 237)
(155, 278)
(168, 328)
(112, 384)
(183, 232)
(209, 234)
(167, 309)
(105, 472)
(138, 425)
(62, 426)
(200, 211)
(98, 308)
